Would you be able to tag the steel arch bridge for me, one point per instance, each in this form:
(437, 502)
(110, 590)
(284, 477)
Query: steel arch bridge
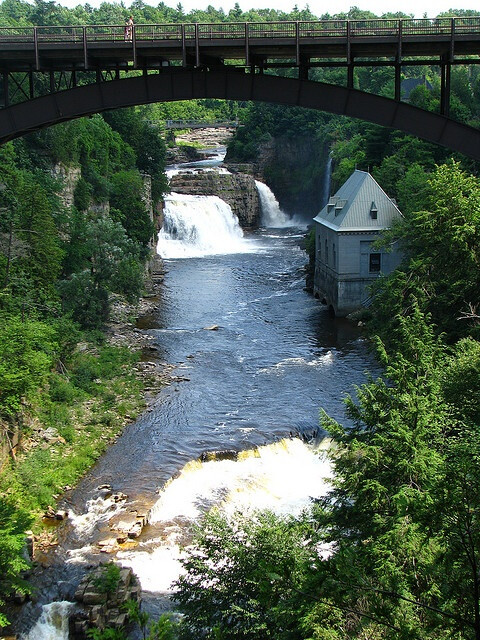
(54, 74)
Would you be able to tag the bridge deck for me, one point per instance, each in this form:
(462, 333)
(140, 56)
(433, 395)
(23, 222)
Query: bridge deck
(322, 43)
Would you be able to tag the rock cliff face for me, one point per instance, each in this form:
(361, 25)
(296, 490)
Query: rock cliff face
(293, 168)
(69, 176)
(238, 190)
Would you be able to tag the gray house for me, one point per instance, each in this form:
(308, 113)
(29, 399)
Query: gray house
(345, 261)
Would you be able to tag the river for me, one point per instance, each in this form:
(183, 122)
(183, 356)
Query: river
(259, 357)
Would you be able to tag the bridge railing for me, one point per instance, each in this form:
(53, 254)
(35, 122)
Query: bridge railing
(242, 30)
(214, 31)
(422, 26)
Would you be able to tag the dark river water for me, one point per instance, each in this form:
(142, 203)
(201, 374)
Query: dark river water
(274, 361)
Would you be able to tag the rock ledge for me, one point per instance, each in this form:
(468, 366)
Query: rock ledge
(103, 602)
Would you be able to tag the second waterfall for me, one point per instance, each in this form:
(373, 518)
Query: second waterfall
(196, 226)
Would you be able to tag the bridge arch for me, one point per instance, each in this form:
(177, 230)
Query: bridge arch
(185, 84)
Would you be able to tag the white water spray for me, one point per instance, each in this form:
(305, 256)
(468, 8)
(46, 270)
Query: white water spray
(53, 623)
(99, 511)
(280, 477)
(196, 167)
(272, 215)
(196, 226)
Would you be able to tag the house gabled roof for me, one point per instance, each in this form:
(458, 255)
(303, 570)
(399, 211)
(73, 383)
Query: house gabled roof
(359, 205)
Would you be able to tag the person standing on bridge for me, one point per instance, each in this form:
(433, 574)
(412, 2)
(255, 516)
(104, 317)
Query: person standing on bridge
(129, 29)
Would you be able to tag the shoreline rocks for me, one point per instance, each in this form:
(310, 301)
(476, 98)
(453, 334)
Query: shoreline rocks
(102, 594)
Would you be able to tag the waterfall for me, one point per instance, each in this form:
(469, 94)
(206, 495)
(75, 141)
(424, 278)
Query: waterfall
(196, 226)
(272, 215)
(327, 179)
(53, 623)
(282, 477)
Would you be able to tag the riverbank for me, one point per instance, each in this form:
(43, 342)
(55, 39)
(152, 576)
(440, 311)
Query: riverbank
(107, 384)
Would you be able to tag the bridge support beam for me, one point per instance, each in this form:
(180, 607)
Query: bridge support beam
(398, 82)
(303, 67)
(398, 64)
(6, 97)
(232, 84)
(31, 85)
(350, 76)
(445, 76)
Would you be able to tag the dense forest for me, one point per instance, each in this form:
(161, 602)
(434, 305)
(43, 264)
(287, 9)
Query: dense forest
(393, 550)
(61, 267)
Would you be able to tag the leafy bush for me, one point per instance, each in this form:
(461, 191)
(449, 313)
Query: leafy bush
(27, 354)
(106, 634)
(242, 578)
(109, 579)
(82, 195)
(61, 390)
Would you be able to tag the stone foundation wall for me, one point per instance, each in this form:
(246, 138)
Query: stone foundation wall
(344, 295)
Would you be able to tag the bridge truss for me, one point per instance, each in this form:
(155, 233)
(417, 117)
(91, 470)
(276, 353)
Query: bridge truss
(39, 61)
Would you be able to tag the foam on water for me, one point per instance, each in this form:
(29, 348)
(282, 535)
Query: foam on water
(186, 168)
(281, 366)
(196, 226)
(53, 622)
(99, 511)
(281, 477)
(157, 569)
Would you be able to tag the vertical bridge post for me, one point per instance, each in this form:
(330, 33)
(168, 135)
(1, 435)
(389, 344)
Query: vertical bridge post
(349, 59)
(197, 46)
(398, 64)
(35, 44)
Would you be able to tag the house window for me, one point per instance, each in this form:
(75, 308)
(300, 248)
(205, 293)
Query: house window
(375, 262)
(334, 256)
(326, 252)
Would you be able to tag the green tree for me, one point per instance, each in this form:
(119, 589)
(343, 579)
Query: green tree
(243, 578)
(38, 226)
(445, 237)
(13, 524)
(461, 381)
(441, 257)
(110, 262)
(460, 498)
(388, 468)
(412, 189)
(27, 354)
(126, 199)
(136, 128)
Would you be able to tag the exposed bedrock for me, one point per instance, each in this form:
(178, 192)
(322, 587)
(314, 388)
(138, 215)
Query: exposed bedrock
(238, 190)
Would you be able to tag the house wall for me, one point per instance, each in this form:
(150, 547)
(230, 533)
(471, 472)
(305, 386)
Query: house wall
(343, 285)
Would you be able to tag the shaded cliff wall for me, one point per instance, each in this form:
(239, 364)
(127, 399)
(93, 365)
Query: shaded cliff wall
(293, 168)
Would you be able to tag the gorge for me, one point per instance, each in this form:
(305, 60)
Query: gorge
(272, 347)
